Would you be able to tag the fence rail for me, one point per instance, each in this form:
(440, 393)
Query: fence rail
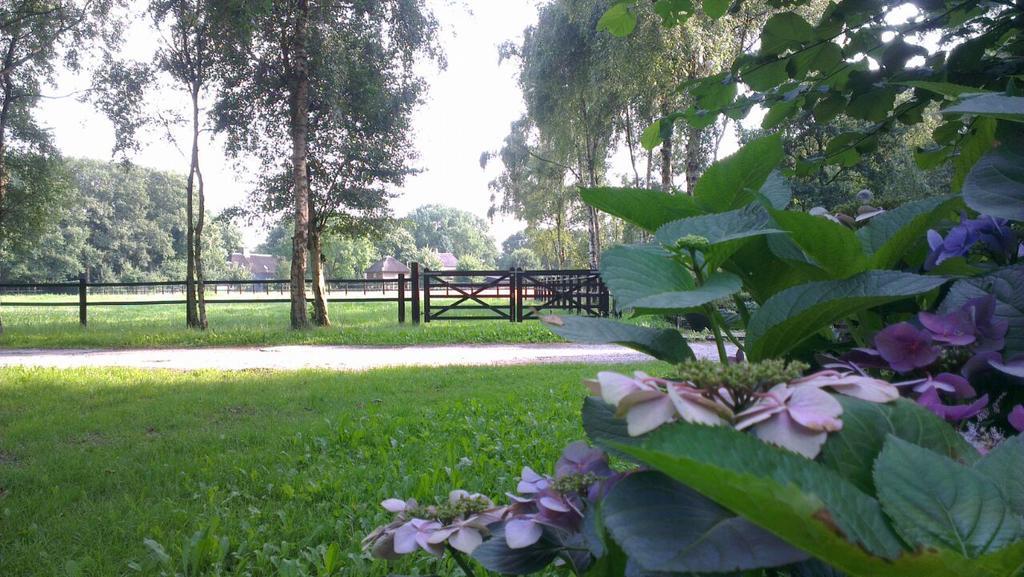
(508, 295)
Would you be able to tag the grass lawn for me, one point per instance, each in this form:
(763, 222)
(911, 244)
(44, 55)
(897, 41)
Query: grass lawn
(262, 470)
(245, 324)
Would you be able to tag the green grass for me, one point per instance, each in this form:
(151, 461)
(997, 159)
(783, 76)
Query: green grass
(245, 324)
(273, 467)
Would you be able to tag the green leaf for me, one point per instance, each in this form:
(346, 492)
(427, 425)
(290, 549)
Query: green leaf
(718, 286)
(852, 451)
(779, 112)
(823, 58)
(793, 315)
(651, 136)
(633, 272)
(936, 502)
(972, 147)
(944, 88)
(842, 150)
(995, 186)
(832, 246)
(619, 20)
(803, 502)
(785, 31)
(873, 105)
(928, 159)
(889, 236)
(1005, 466)
(828, 108)
(766, 75)
(603, 428)
(1007, 285)
(726, 232)
(715, 8)
(765, 272)
(673, 12)
(665, 526)
(495, 554)
(663, 344)
(999, 106)
(734, 181)
(648, 209)
(776, 191)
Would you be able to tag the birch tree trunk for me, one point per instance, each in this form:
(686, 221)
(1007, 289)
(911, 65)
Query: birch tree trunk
(666, 156)
(203, 323)
(191, 313)
(299, 133)
(321, 314)
(5, 112)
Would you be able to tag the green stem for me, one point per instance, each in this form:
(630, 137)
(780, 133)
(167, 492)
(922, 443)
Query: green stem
(741, 308)
(712, 314)
(461, 561)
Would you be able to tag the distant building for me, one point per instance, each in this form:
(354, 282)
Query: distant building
(387, 268)
(261, 266)
(448, 261)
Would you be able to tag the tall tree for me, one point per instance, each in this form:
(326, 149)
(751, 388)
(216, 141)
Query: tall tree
(37, 36)
(187, 55)
(284, 77)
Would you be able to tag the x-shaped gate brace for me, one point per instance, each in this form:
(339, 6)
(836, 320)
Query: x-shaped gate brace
(467, 296)
(571, 294)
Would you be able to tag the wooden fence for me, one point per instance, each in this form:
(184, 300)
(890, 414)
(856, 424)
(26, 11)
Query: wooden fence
(509, 295)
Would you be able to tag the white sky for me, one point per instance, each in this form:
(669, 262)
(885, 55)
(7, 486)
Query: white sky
(468, 110)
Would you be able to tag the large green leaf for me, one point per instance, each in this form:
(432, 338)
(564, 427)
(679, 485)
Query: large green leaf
(618, 20)
(785, 31)
(663, 344)
(995, 186)
(1005, 466)
(852, 451)
(943, 88)
(603, 428)
(776, 191)
(648, 209)
(666, 526)
(804, 503)
(833, 246)
(633, 272)
(890, 236)
(1007, 285)
(793, 315)
(766, 272)
(972, 146)
(720, 228)
(718, 286)
(991, 105)
(495, 554)
(734, 182)
(936, 502)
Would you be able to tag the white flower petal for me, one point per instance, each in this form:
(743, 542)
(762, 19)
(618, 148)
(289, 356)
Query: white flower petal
(394, 505)
(694, 408)
(521, 533)
(615, 386)
(645, 417)
(815, 409)
(783, 431)
(466, 540)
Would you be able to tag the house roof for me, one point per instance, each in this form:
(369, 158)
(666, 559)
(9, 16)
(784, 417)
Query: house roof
(255, 263)
(448, 259)
(388, 264)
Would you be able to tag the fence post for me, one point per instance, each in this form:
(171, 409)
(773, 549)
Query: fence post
(401, 298)
(426, 295)
(83, 305)
(513, 282)
(415, 293)
(605, 304)
(519, 295)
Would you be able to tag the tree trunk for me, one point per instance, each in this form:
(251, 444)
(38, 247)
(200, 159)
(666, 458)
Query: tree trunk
(595, 217)
(299, 133)
(191, 314)
(666, 156)
(5, 112)
(202, 322)
(694, 158)
(631, 145)
(321, 315)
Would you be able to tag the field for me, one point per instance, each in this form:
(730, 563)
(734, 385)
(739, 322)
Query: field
(124, 472)
(254, 324)
(245, 324)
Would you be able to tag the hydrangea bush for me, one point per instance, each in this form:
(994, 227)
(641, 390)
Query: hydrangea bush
(862, 416)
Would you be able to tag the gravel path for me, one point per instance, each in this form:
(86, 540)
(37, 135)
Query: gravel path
(331, 357)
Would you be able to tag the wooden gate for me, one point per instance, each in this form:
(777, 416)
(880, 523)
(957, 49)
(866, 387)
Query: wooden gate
(511, 295)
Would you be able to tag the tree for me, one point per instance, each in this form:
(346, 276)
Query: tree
(284, 83)
(523, 258)
(35, 37)
(446, 229)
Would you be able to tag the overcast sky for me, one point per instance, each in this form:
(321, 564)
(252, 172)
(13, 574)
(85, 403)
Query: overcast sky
(468, 110)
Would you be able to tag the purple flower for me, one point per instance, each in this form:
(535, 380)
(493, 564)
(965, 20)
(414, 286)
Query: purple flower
(956, 328)
(979, 364)
(957, 243)
(1013, 367)
(994, 233)
(930, 400)
(944, 382)
(905, 347)
(530, 482)
(415, 535)
(991, 332)
(795, 418)
(647, 402)
(580, 458)
(1017, 418)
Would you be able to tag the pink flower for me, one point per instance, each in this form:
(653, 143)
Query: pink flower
(647, 402)
(854, 385)
(417, 534)
(796, 418)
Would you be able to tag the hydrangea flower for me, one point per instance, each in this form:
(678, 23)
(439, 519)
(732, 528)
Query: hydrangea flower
(1017, 418)
(855, 385)
(797, 418)
(647, 402)
(930, 400)
(905, 347)
(461, 523)
(994, 233)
